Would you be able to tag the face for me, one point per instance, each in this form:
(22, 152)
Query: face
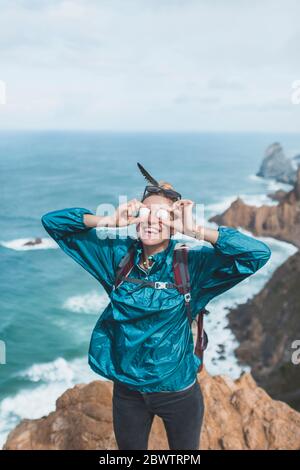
(151, 230)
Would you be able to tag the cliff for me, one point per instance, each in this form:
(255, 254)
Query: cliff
(276, 165)
(267, 325)
(238, 415)
(281, 221)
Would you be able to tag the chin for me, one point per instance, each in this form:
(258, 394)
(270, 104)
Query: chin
(152, 241)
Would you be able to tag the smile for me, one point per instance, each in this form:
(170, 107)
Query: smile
(151, 230)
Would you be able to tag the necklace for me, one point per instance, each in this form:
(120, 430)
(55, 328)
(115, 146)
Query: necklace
(147, 265)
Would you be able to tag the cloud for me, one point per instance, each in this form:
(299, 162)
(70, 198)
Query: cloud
(149, 64)
(226, 83)
(190, 99)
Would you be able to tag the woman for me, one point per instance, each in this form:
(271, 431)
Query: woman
(143, 341)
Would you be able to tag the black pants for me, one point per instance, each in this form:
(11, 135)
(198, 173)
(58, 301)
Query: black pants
(133, 413)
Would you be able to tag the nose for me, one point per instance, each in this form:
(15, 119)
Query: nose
(151, 216)
(151, 219)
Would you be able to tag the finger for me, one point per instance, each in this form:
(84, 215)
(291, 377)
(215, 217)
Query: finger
(133, 201)
(173, 213)
(186, 203)
(188, 207)
(178, 211)
(169, 209)
(136, 206)
(133, 208)
(135, 220)
(176, 204)
(168, 223)
(136, 203)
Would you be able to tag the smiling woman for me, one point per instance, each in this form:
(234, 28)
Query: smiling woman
(130, 343)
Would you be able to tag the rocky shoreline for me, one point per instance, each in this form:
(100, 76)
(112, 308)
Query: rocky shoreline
(267, 325)
(281, 221)
(239, 415)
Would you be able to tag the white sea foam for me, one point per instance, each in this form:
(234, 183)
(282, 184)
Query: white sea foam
(254, 177)
(270, 184)
(220, 206)
(90, 303)
(216, 323)
(19, 244)
(60, 370)
(250, 199)
(258, 200)
(49, 381)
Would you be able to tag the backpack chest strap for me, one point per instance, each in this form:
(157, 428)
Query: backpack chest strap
(154, 284)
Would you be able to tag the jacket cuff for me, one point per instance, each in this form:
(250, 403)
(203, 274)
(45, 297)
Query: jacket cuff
(226, 238)
(79, 213)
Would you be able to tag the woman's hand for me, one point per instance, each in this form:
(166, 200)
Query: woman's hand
(181, 217)
(126, 214)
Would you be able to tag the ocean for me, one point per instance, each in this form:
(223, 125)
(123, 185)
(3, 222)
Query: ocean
(49, 304)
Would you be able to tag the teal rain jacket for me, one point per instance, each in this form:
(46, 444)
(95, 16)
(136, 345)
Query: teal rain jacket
(143, 337)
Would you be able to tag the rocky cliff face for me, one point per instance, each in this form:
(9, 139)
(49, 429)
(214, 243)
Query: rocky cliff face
(266, 326)
(281, 221)
(238, 415)
(276, 165)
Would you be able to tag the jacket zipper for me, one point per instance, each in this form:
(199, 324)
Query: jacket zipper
(147, 273)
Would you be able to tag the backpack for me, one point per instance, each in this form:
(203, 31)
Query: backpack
(182, 283)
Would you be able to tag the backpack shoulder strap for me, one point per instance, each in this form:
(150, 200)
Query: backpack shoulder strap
(180, 267)
(125, 265)
(181, 274)
(182, 279)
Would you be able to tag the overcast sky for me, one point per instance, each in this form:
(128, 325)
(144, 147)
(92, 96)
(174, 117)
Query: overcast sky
(207, 65)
